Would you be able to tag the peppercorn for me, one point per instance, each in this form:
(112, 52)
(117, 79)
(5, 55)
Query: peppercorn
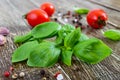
(42, 72)
(6, 73)
(80, 17)
(55, 19)
(69, 12)
(22, 74)
(11, 68)
(79, 23)
(58, 76)
(14, 76)
(83, 27)
(57, 73)
(73, 21)
(76, 26)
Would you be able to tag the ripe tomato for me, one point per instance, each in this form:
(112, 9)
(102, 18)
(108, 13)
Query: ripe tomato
(37, 16)
(97, 18)
(48, 7)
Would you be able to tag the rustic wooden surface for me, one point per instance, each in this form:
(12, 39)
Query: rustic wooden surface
(10, 17)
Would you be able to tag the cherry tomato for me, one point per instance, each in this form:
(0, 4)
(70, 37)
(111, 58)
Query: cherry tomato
(37, 16)
(97, 18)
(48, 7)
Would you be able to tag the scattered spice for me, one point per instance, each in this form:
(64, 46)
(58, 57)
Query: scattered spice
(4, 31)
(76, 26)
(72, 17)
(73, 21)
(14, 76)
(83, 27)
(69, 13)
(65, 19)
(55, 19)
(22, 74)
(11, 68)
(6, 73)
(58, 76)
(42, 72)
(59, 14)
(79, 23)
(2, 40)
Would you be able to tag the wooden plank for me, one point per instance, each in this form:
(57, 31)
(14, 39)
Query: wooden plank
(109, 69)
(111, 4)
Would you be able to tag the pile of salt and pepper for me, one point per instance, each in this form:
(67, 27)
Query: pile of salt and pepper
(13, 74)
(70, 17)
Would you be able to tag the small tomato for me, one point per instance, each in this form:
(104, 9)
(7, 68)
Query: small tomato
(36, 16)
(97, 18)
(48, 8)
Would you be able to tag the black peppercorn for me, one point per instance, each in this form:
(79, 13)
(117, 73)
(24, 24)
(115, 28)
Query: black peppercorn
(42, 72)
(73, 21)
(55, 19)
(79, 23)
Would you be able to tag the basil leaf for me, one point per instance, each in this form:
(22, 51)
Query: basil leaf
(66, 57)
(45, 55)
(92, 50)
(22, 52)
(83, 37)
(112, 34)
(60, 37)
(81, 10)
(68, 27)
(21, 39)
(72, 38)
(46, 29)
(59, 41)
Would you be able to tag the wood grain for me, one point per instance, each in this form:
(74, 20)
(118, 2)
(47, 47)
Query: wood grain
(11, 12)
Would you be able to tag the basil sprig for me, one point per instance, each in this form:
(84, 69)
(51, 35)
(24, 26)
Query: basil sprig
(112, 34)
(39, 51)
(81, 10)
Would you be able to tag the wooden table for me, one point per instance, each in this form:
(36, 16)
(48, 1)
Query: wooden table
(11, 12)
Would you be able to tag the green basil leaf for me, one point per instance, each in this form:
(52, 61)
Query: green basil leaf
(60, 37)
(22, 52)
(81, 10)
(59, 41)
(66, 57)
(46, 29)
(83, 37)
(68, 27)
(45, 55)
(112, 34)
(72, 38)
(92, 50)
(21, 39)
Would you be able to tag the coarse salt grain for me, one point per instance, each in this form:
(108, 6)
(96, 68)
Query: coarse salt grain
(59, 77)
(22, 74)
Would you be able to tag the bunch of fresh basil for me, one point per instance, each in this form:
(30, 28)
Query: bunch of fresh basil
(39, 51)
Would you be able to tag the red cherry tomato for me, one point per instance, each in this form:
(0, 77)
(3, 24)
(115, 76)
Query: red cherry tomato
(97, 18)
(48, 7)
(37, 16)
